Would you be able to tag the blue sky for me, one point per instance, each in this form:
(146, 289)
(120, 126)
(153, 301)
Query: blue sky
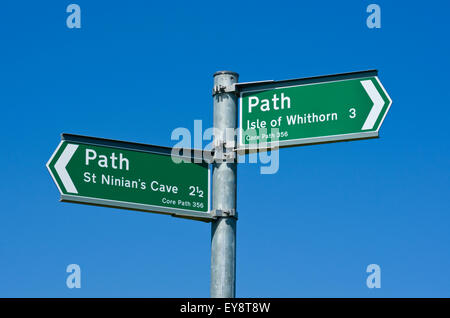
(136, 70)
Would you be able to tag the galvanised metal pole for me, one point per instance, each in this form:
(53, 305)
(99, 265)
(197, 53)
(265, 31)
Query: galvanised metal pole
(223, 229)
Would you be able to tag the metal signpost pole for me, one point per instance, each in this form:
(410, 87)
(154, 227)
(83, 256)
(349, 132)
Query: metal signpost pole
(223, 228)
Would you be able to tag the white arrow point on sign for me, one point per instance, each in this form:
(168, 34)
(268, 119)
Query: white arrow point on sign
(60, 167)
(377, 107)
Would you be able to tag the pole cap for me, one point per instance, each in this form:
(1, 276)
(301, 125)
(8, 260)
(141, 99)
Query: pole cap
(225, 73)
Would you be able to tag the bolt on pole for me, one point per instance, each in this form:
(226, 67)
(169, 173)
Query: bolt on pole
(223, 229)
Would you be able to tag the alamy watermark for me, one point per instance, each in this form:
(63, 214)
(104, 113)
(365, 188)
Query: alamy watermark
(223, 146)
(74, 279)
(374, 19)
(374, 279)
(73, 21)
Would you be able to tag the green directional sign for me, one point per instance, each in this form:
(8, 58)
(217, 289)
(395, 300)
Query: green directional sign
(131, 176)
(312, 110)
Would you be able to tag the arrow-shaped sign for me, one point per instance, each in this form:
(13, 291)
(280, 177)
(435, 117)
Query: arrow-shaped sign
(132, 176)
(312, 110)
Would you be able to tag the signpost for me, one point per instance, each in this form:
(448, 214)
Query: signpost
(131, 176)
(312, 110)
(272, 114)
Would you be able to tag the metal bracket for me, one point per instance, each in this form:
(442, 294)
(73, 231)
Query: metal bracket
(220, 89)
(218, 143)
(230, 155)
(220, 155)
(215, 213)
(230, 144)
